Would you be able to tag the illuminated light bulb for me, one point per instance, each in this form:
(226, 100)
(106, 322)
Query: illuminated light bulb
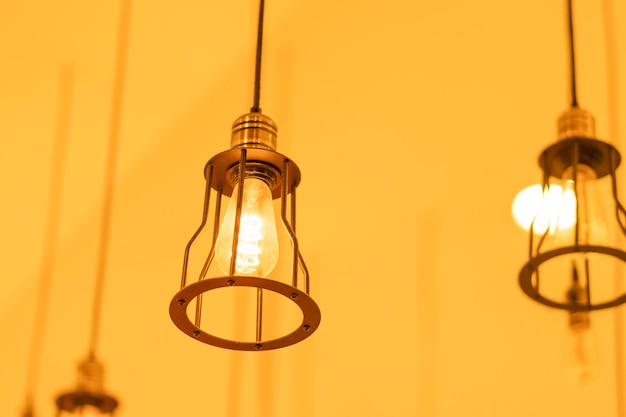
(581, 369)
(257, 245)
(547, 209)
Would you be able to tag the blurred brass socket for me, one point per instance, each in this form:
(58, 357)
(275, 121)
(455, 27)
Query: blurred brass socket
(576, 123)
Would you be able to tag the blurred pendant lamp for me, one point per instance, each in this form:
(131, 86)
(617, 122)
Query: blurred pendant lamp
(51, 232)
(577, 243)
(89, 398)
(246, 242)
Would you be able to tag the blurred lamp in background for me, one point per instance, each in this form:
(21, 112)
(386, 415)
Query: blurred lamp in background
(89, 398)
(576, 227)
(569, 227)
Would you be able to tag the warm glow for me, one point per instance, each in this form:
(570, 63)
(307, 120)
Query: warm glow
(257, 246)
(556, 208)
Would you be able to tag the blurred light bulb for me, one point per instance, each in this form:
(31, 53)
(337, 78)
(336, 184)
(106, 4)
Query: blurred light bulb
(591, 224)
(581, 369)
(547, 209)
(257, 246)
(88, 411)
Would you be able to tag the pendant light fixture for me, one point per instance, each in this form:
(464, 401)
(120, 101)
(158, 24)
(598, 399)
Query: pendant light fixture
(249, 240)
(89, 396)
(577, 248)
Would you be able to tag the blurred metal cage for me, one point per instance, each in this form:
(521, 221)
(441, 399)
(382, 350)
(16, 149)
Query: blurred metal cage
(576, 148)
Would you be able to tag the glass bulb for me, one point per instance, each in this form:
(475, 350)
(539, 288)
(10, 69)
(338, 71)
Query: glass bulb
(257, 246)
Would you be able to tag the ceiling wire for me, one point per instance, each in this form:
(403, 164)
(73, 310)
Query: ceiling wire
(257, 70)
(50, 237)
(570, 19)
(111, 163)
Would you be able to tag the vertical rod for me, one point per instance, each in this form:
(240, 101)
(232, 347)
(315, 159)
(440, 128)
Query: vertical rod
(588, 281)
(207, 263)
(198, 317)
(292, 208)
(285, 189)
(305, 270)
(216, 229)
(259, 314)
(545, 185)
(619, 209)
(114, 135)
(575, 179)
(546, 189)
(240, 181)
(205, 213)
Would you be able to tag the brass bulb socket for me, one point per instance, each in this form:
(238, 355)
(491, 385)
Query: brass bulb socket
(258, 170)
(254, 130)
(576, 123)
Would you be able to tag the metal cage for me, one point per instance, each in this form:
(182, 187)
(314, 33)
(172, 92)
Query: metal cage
(251, 156)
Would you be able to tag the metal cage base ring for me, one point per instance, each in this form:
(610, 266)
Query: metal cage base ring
(310, 312)
(531, 267)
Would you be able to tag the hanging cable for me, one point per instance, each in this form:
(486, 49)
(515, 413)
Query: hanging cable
(570, 18)
(109, 177)
(51, 232)
(257, 70)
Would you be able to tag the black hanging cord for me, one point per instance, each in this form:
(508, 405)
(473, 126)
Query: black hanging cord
(119, 81)
(257, 72)
(50, 237)
(570, 19)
